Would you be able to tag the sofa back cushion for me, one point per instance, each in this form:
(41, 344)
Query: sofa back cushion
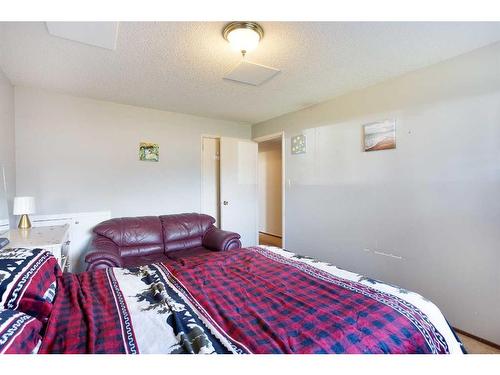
(133, 235)
(184, 231)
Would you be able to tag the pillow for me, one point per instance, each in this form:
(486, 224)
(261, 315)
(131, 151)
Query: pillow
(28, 281)
(19, 333)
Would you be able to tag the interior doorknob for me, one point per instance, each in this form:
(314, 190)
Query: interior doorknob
(225, 203)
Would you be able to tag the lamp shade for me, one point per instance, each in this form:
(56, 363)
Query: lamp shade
(24, 205)
(243, 39)
(243, 36)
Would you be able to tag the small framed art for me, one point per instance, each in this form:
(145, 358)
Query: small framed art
(380, 135)
(299, 144)
(149, 152)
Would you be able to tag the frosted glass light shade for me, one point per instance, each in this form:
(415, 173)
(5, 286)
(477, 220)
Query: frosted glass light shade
(24, 205)
(243, 39)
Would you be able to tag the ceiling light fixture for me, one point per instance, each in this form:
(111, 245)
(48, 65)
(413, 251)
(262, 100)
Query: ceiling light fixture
(243, 36)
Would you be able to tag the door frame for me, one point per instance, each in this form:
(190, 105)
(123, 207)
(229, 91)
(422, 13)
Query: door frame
(269, 137)
(202, 136)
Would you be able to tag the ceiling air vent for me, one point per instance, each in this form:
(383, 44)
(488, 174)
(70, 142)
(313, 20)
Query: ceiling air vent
(99, 34)
(251, 74)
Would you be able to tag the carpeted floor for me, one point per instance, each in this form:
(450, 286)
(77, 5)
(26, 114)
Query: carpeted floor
(477, 347)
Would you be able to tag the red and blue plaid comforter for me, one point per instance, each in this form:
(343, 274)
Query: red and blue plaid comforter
(255, 300)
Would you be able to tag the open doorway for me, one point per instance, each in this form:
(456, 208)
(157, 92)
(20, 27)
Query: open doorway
(270, 190)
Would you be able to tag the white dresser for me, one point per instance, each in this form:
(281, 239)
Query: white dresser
(53, 238)
(80, 232)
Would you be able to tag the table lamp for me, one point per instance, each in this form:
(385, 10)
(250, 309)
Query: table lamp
(24, 206)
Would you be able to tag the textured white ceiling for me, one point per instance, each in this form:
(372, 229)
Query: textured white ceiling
(178, 66)
(99, 34)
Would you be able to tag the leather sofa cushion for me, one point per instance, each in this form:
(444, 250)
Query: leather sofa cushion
(132, 231)
(144, 259)
(184, 231)
(160, 258)
(186, 253)
(140, 250)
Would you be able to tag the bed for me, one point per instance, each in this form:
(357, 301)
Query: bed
(251, 300)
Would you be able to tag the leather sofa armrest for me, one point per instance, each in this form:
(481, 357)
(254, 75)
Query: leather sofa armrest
(103, 253)
(220, 240)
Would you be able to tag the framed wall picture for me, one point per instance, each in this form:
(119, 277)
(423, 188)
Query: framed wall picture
(149, 152)
(380, 135)
(298, 144)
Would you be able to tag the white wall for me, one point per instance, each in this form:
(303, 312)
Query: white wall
(434, 201)
(79, 155)
(7, 144)
(270, 202)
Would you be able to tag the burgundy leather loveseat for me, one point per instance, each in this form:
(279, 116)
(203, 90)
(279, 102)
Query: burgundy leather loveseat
(134, 241)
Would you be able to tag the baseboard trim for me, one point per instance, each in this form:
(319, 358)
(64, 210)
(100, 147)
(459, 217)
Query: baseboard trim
(484, 341)
(270, 234)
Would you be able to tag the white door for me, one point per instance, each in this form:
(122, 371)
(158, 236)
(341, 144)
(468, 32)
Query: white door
(210, 169)
(238, 188)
